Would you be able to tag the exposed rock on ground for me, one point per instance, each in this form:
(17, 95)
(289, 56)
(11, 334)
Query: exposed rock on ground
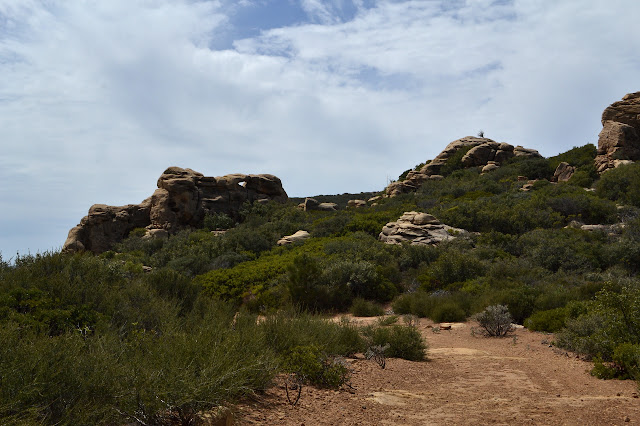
(619, 140)
(290, 239)
(418, 228)
(482, 152)
(356, 203)
(313, 204)
(182, 200)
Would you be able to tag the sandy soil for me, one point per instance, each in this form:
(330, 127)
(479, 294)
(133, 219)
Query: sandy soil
(468, 380)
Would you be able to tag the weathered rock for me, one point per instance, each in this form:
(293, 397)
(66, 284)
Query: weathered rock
(356, 203)
(626, 111)
(418, 228)
(481, 152)
(480, 155)
(311, 204)
(528, 186)
(153, 234)
(289, 239)
(182, 200)
(563, 172)
(619, 139)
(491, 166)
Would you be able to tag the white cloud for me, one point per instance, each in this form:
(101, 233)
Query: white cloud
(97, 98)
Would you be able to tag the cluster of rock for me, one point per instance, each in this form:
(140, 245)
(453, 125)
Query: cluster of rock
(563, 172)
(182, 200)
(619, 140)
(311, 204)
(482, 152)
(418, 228)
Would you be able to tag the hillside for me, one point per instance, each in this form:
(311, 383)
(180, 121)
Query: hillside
(159, 312)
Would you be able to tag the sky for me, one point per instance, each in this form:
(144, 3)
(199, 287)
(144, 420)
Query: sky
(98, 98)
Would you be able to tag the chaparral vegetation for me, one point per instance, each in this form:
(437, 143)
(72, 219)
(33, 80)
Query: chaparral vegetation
(161, 330)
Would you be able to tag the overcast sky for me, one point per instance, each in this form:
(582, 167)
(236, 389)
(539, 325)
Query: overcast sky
(98, 97)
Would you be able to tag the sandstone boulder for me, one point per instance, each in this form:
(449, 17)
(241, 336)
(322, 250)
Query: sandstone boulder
(290, 239)
(418, 228)
(311, 204)
(619, 139)
(563, 172)
(481, 152)
(182, 200)
(356, 203)
(491, 166)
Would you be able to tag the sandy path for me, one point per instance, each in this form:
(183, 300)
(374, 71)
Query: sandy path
(468, 380)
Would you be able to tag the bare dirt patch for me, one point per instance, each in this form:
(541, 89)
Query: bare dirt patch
(468, 379)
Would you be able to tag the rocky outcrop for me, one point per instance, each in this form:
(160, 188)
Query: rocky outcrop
(356, 203)
(418, 228)
(563, 172)
(294, 238)
(182, 200)
(481, 152)
(105, 225)
(619, 140)
(311, 204)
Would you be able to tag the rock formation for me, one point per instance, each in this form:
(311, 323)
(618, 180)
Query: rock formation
(482, 152)
(356, 203)
(619, 140)
(294, 238)
(418, 228)
(563, 172)
(313, 204)
(182, 200)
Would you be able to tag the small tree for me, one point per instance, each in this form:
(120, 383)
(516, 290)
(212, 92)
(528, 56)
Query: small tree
(495, 321)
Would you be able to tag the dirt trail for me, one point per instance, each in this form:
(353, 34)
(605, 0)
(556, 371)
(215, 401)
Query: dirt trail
(468, 380)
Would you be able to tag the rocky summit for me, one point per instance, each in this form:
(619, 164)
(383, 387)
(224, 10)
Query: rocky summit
(619, 140)
(182, 200)
(480, 152)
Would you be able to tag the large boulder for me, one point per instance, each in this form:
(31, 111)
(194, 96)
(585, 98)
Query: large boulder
(619, 140)
(183, 198)
(294, 238)
(311, 204)
(563, 172)
(418, 229)
(481, 152)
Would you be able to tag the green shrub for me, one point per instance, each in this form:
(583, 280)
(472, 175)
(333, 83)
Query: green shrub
(364, 308)
(310, 292)
(449, 311)
(311, 365)
(577, 156)
(451, 267)
(404, 341)
(417, 303)
(621, 184)
(625, 364)
(218, 221)
(286, 330)
(550, 321)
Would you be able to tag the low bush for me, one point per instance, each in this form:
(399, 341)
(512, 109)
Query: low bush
(549, 321)
(313, 366)
(448, 311)
(365, 308)
(496, 321)
(404, 341)
(417, 303)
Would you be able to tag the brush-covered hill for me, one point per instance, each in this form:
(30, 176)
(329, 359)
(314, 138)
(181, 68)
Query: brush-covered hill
(161, 326)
